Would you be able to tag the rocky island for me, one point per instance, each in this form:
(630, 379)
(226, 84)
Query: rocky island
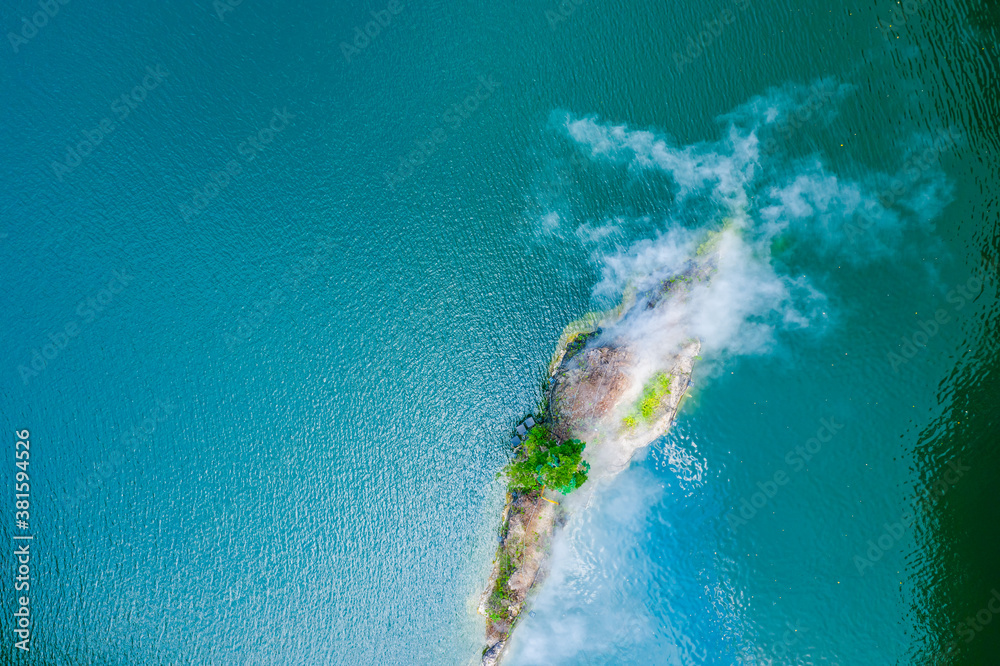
(616, 383)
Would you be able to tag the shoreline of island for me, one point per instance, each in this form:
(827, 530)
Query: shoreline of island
(593, 396)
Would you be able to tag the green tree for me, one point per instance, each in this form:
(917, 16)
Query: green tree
(543, 462)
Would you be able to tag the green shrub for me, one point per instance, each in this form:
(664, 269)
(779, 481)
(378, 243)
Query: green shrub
(543, 462)
(649, 401)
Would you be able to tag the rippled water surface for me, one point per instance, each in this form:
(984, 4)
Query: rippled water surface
(273, 434)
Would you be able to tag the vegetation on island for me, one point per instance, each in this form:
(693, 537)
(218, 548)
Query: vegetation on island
(544, 462)
(579, 343)
(541, 462)
(496, 608)
(652, 395)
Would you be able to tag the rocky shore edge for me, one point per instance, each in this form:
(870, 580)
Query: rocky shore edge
(589, 386)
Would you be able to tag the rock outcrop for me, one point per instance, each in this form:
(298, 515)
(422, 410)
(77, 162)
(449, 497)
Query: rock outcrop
(602, 394)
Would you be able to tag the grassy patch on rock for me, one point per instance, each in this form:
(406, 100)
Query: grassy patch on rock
(649, 401)
(543, 462)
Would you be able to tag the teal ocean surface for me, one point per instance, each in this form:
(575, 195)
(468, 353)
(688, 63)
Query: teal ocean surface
(276, 291)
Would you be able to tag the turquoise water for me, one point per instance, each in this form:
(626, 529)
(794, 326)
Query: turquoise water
(274, 438)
